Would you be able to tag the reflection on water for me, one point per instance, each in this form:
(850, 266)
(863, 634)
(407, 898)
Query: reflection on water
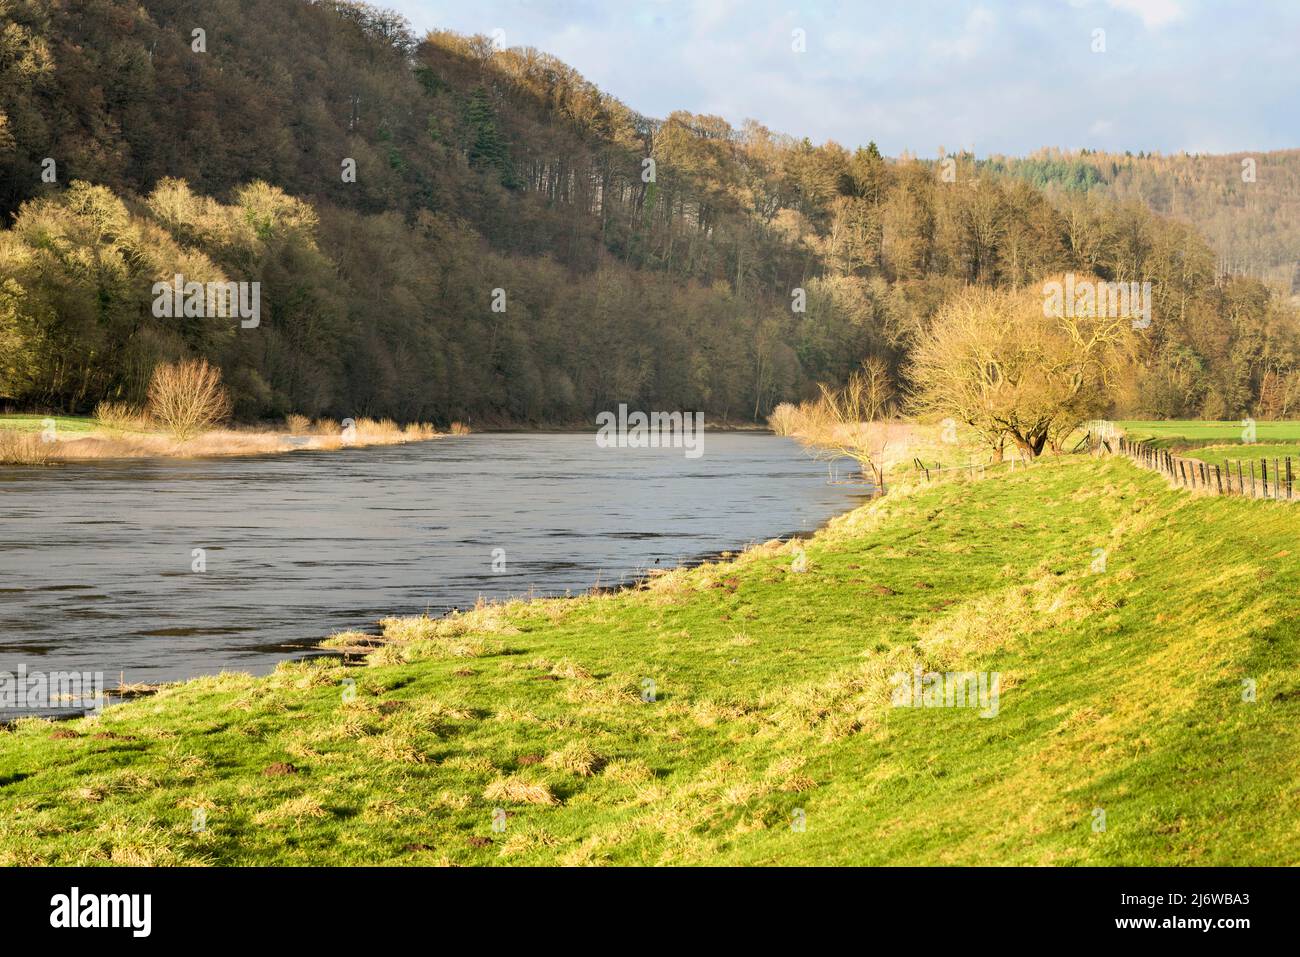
(96, 560)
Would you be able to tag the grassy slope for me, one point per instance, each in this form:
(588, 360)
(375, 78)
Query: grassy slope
(1120, 690)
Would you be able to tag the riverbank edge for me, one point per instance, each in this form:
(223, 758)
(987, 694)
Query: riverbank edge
(354, 645)
(351, 646)
(223, 444)
(281, 800)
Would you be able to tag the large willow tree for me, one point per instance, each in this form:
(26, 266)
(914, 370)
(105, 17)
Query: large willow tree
(1000, 362)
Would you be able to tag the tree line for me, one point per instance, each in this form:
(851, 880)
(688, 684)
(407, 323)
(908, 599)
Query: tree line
(516, 246)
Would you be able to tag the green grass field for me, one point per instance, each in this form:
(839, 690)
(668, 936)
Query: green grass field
(1121, 692)
(36, 423)
(1221, 442)
(1175, 432)
(1222, 454)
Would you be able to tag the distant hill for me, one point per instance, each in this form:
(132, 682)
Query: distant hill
(1253, 226)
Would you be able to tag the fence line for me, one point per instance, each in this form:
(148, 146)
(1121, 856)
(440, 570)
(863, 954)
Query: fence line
(973, 470)
(1273, 481)
(1252, 478)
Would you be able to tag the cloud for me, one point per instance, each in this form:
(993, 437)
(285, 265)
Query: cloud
(979, 29)
(1007, 76)
(1154, 14)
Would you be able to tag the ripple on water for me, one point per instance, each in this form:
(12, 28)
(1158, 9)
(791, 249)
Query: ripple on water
(96, 566)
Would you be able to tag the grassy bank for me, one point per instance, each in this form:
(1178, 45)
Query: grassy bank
(40, 440)
(1121, 690)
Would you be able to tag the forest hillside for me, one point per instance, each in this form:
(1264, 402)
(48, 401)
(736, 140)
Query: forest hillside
(442, 230)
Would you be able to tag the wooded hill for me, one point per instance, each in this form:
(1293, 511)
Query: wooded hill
(480, 170)
(1247, 205)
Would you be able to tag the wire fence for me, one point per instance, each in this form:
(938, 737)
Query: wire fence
(1260, 477)
(973, 470)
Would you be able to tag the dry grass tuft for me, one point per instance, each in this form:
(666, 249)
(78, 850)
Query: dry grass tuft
(568, 669)
(798, 783)
(24, 448)
(458, 635)
(592, 852)
(295, 810)
(846, 702)
(574, 758)
(394, 749)
(386, 431)
(119, 417)
(526, 840)
(515, 790)
(418, 432)
(122, 437)
(614, 691)
(352, 642)
(309, 673)
(130, 844)
(628, 772)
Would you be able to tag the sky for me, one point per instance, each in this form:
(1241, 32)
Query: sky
(997, 76)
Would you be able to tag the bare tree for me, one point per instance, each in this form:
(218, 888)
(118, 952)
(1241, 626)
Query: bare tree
(999, 362)
(187, 398)
(876, 386)
(847, 421)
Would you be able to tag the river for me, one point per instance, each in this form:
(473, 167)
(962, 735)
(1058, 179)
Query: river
(98, 561)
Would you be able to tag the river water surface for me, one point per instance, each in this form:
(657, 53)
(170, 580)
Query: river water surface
(96, 560)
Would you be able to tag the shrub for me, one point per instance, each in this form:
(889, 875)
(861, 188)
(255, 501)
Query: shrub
(377, 428)
(119, 417)
(418, 431)
(24, 448)
(187, 398)
(784, 419)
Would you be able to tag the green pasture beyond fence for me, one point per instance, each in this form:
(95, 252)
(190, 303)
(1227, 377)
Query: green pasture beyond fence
(1262, 477)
